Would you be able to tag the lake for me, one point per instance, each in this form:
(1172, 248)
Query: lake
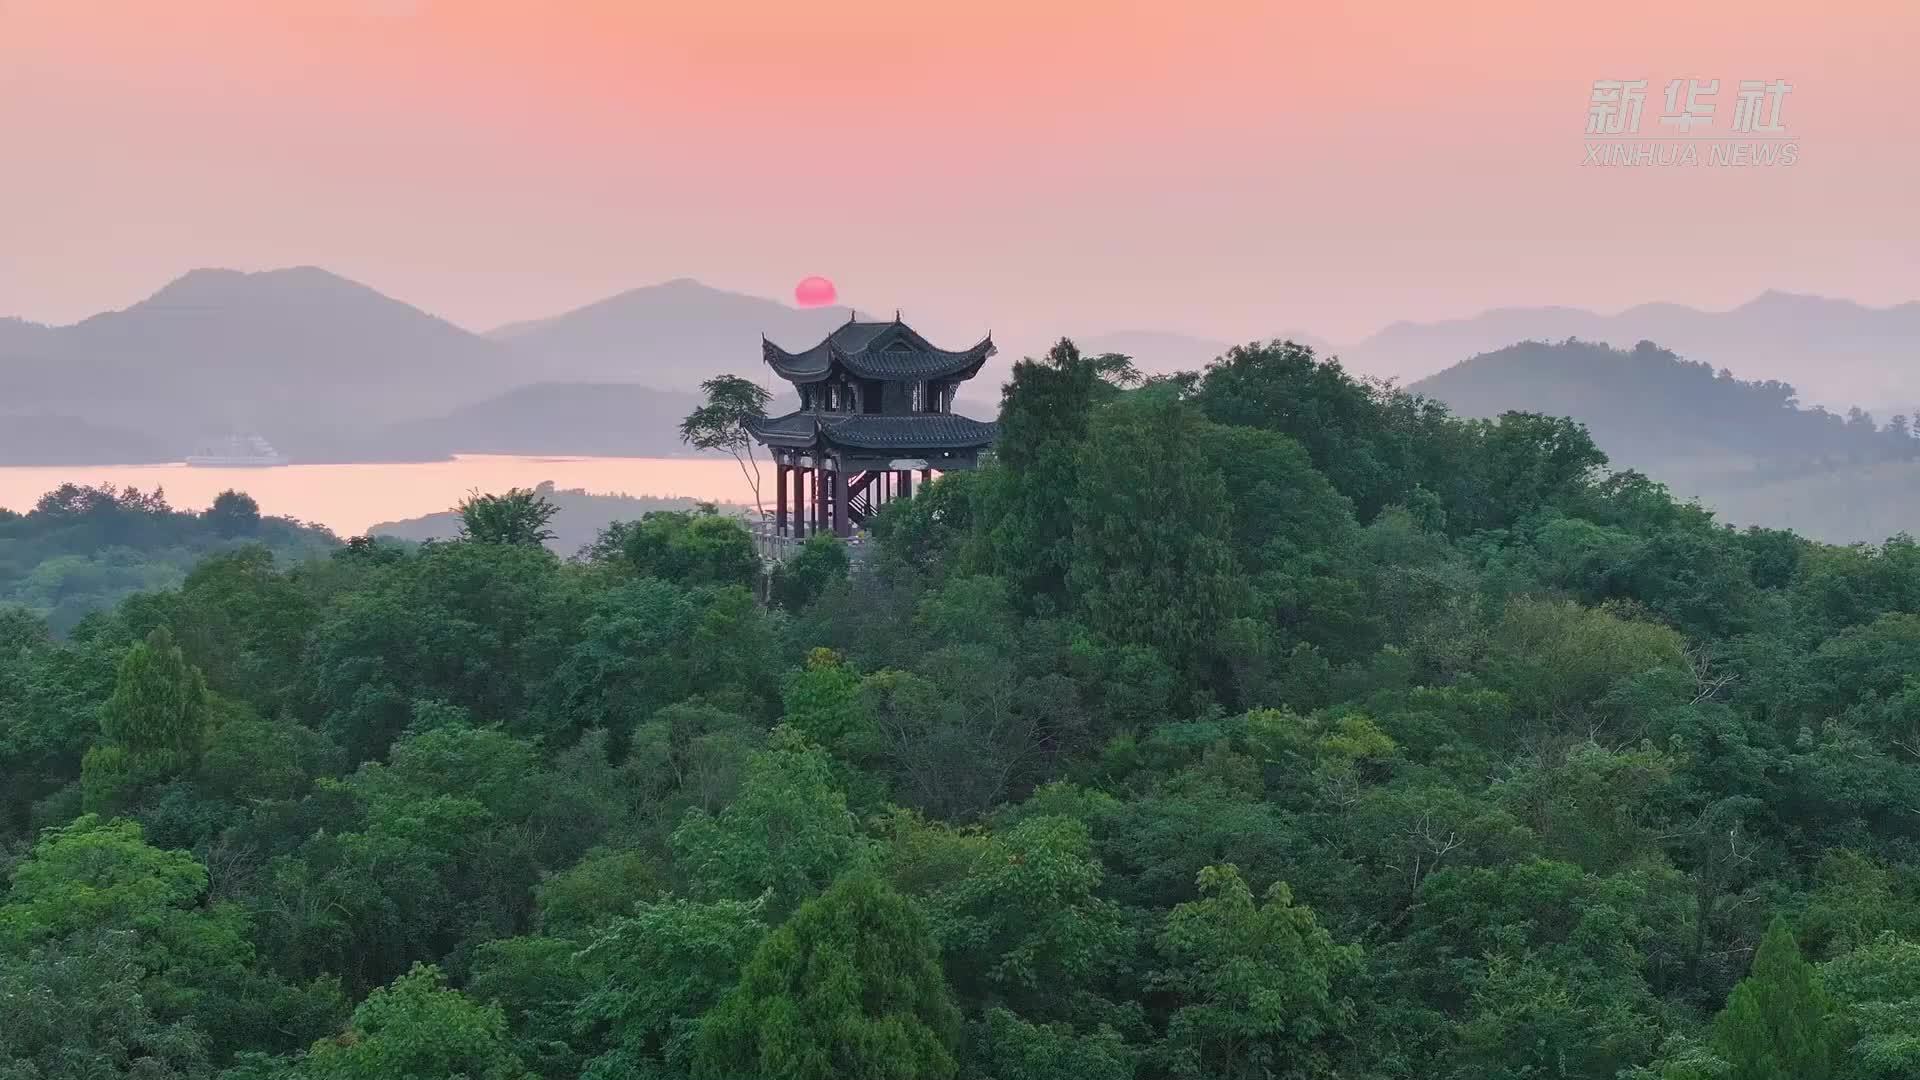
(348, 498)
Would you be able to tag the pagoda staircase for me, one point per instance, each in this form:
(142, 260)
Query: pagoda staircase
(859, 502)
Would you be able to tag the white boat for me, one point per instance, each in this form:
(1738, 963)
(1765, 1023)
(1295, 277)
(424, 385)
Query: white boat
(237, 452)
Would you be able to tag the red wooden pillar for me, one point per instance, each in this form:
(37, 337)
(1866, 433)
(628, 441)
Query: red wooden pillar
(799, 500)
(820, 518)
(780, 499)
(906, 483)
(841, 526)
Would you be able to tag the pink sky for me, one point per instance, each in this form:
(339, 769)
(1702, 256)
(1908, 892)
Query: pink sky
(1230, 168)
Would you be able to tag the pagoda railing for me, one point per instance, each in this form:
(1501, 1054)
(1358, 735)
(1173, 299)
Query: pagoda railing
(775, 547)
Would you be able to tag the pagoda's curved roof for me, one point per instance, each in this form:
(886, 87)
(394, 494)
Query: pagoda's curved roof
(877, 350)
(869, 431)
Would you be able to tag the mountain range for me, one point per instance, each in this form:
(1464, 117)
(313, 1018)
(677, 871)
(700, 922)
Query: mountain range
(329, 369)
(1834, 352)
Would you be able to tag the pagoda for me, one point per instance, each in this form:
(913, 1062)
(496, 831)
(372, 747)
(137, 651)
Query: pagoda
(876, 406)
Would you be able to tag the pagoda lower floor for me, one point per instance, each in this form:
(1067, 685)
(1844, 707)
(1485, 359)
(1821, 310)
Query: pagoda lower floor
(832, 496)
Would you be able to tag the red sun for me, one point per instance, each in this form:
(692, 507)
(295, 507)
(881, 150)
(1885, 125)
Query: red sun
(814, 292)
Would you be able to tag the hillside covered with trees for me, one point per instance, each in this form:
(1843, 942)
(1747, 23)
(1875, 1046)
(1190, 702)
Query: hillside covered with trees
(81, 549)
(580, 516)
(1748, 449)
(1254, 723)
(1651, 406)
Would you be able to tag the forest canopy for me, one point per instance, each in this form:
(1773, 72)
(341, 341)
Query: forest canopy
(1256, 722)
(81, 548)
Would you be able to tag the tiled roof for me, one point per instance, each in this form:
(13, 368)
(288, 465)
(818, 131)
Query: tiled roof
(877, 350)
(866, 431)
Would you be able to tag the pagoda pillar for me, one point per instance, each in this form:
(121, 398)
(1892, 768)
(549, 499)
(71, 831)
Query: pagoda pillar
(780, 498)
(820, 518)
(799, 500)
(841, 526)
(904, 480)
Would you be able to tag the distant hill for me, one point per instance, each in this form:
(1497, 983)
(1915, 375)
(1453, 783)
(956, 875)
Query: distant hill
(593, 419)
(1836, 352)
(84, 549)
(331, 370)
(672, 335)
(1646, 405)
(1848, 503)
(582, 515)
(305, 356)
(69, 440)
(1746, 449)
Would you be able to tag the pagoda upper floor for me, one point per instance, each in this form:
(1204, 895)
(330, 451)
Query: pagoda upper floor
(877, 368)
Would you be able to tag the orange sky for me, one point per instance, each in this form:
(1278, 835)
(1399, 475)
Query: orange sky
(1226, 167)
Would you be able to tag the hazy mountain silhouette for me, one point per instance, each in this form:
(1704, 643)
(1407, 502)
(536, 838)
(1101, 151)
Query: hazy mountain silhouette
(69, 440)
(329, 369)
(671, 335)
(1647, 406)
(308, 358)
(1835, 352)
(590, 419)
(1747, 449)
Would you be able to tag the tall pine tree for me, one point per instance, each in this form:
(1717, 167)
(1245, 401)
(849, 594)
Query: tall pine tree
(1778, 1021)
(851, 986)
(1152, 553)
(154, 724)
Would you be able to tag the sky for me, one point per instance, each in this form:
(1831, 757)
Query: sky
(1227, 168)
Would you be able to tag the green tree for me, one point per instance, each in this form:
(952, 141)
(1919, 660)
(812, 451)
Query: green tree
(74, 1011)
(1152, 558)
(520, 516)
(234, 513)
(1778, 1023)
(786, 835)
(1005, 1047)
(1527, 1020)
(850, 986)
(1024, 925)
(664, 967)
(823, 701)
(158, 710)
(1876, 989)
(1354, 433)
(1260, 990)
(91, 877)
(821, 562)
(536, 982)
(692, 548)
(1519, 464)
(417, 1029)
(723, 422)
(1044, 411)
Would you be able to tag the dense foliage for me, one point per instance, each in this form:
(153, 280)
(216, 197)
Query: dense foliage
(1657, 406)
(1253, 723)
(579, 517)
(1747, 448)
(82, 549)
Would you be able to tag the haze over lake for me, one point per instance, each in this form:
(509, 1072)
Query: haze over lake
(348, 498)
